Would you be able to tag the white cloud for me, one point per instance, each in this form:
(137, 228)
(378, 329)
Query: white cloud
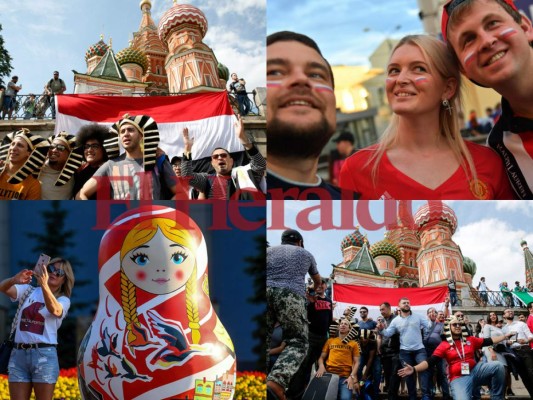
(524, 207)
(495, 248)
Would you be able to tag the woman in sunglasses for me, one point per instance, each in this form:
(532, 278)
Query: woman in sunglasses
(465, 374)
(33, 364)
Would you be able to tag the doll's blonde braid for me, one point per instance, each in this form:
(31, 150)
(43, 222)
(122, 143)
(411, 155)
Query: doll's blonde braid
(192, 307)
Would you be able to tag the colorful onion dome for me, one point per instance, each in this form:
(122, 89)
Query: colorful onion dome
(223, 71)
(469, 266)
(436, 211)
(133, 56)
(386, 248)
(180, 14)
(355, 238)
(97, 49)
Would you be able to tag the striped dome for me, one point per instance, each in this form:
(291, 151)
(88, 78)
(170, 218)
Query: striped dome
(134, 56)
(436, 211)
(223, 71)
(386, 248)
(180, 14)
(355, 238)
(97, 49)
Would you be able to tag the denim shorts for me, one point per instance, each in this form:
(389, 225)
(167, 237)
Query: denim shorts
(34, 365)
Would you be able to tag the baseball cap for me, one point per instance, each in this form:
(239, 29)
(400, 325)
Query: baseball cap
(451, 5)
(175, 159)
(291, 236)
(344, 136)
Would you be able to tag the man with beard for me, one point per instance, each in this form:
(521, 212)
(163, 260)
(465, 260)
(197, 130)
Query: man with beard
(301, 117)
(520, 346)
(465, 374)
(135, 174)
(320, 316)
(412, 350)
(228, 181)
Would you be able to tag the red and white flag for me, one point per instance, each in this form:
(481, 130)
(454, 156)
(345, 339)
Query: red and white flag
(208, 116)
(372, 297)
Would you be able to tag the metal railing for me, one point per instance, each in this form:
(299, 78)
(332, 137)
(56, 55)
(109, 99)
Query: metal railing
(22, 109)
(492, 298)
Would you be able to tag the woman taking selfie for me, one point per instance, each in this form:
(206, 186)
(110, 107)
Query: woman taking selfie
(421, 154)
(33, 363)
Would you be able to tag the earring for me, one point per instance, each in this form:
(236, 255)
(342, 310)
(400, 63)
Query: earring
(446, 103)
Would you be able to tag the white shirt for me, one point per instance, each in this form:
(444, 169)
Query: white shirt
(522, 332)
(35, 323)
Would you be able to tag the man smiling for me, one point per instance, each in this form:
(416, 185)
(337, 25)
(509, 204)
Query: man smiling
(301, 116)
(491, 39)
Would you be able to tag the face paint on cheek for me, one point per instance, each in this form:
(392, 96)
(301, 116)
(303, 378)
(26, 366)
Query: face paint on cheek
(468, 59)
(507, 32)
(390, 82)
(179, 275)
(140, 275)
(273, 84)
(421, 79)
(322, 88)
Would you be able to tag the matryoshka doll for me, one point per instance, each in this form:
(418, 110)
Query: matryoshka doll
(155, 334)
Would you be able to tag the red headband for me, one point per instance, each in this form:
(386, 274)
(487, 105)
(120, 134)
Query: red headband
(452, 5)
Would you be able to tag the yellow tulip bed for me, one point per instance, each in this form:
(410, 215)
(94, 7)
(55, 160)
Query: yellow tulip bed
(250, 386)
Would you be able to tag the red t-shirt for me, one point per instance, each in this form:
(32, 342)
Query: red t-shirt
(391, 183)
(451, 354)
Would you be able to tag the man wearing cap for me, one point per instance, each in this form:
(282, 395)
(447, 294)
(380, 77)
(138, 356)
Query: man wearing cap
(228, 181)
(320, 317)
(287, 265)
(465, 374)
(345, 149)
(16, 180)
(135, 174)
(55, 86)
(57, 183)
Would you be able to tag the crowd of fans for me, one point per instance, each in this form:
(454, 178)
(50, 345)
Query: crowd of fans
(359, 357)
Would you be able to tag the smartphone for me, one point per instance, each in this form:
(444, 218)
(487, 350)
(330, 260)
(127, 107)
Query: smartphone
(42, 261)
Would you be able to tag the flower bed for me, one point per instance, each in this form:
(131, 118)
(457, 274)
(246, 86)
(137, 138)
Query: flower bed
(250, 386)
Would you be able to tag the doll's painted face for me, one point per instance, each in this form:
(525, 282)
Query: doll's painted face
(160, 265)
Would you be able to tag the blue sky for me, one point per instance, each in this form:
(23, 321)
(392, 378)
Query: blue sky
(347, 31)
(489, 232)
(46, 35)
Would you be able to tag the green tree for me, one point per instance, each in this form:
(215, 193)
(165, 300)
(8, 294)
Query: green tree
(5, 60)
(56, 240)
(257, 270)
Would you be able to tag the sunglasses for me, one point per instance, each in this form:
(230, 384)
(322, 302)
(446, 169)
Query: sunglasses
(58, 147)
(56, 271)
(221, 155)
(94, 146)
(455, 325)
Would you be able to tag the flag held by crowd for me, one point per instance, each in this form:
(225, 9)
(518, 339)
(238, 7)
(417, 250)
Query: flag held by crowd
(372, 297)
(208, 116)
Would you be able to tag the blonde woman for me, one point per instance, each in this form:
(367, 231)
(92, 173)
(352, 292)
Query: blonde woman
(421, 154)
(33, 364)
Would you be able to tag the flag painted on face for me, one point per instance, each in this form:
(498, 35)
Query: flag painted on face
(208, 116)
(372, 297)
